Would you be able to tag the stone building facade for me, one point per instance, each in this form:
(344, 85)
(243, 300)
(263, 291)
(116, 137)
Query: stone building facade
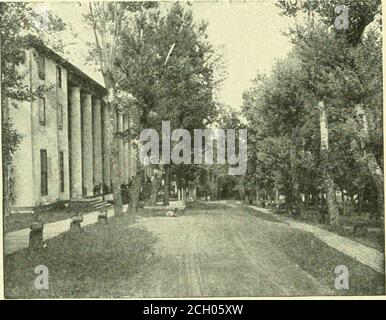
(65, 152)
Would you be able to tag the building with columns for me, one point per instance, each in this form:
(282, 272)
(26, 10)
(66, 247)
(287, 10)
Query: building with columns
(64, 153)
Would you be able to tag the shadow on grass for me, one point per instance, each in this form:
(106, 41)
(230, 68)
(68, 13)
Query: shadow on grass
(372, 237)
(200, 205)
(262, 215)
(320, 260)
(98, 261)
(18, 221)
(153, 212)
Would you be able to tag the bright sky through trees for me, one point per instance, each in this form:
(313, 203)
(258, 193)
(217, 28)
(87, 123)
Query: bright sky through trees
(248, 33)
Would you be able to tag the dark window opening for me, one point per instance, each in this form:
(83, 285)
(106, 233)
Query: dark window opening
(43, 173)
(59, 76)
(41, 67)
(42, 110)
(61, 170)
(60, 117)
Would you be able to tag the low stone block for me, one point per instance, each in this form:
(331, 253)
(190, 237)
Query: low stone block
(76, 223)
(102, 216)
(36, 236)
(170, 214)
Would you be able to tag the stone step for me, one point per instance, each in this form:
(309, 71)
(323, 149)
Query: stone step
(102, 205)
(87, 204)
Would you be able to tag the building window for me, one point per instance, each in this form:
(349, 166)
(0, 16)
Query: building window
(41, 67)
(60, 117)
(59, 76)
(42, 111)
(43, 173)
(61, 170)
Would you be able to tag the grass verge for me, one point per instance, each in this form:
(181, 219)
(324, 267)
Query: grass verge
(18, 221)
(320, 260)
(374, 238)
(98, 261)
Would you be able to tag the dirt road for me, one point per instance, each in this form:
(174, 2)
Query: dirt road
(220, 250)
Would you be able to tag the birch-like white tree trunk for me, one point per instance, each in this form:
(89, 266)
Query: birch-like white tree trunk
(324, 154)
(368, 158)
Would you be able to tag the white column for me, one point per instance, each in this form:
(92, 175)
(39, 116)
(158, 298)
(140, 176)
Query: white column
(75, 144)
(87, 145)
(97, 141)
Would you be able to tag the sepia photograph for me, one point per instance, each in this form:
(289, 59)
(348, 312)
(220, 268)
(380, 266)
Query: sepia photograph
(191, 150)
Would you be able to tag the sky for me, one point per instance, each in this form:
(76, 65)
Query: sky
(249, 33)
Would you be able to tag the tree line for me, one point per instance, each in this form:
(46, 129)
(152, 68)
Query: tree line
(315, 122)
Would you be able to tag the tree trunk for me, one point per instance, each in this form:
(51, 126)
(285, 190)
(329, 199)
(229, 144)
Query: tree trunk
(167, 185)
(343, 202)
(115, 179)
(5, 164)
(155, 186)
(324, 150)
(211, 185)
(114, 141)
(115, 174)
(135, 190)
(215, 193)
(135, 193)
(369, 159)
(194, 193)
(257, 190)
(277, 203)
(377, 177)
(307, 198)
(294, 201)
(361, 195)
(315, 199)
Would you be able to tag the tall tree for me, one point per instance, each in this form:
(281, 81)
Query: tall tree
(109, 21)
(345, 43)
(169, 69)
(316, 120)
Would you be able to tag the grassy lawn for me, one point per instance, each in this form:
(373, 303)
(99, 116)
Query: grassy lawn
(261, 214)
(374, 238)
(203, 205)
(153, 212)
(19, 221)
(320, 260)
(95, 262)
